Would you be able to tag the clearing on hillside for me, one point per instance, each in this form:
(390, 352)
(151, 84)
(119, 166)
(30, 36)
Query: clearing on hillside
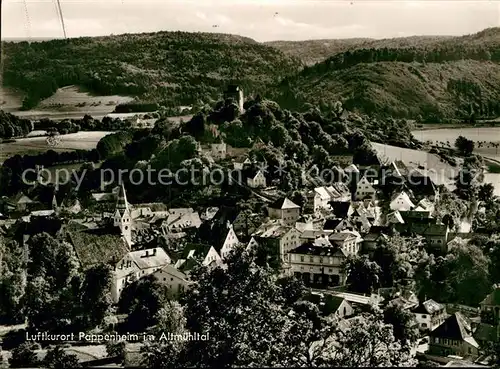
(72, 98)
(10, 100)
(36, 145)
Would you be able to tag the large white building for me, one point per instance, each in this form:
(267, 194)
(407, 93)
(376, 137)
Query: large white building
(136, 265)
(318, 264)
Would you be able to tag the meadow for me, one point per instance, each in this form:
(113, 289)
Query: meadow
(10, 100)
(441, 172)
(73, 98)
(35, 145)
(485, 138)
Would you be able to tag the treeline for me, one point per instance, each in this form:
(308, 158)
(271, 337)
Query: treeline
(12, 169)
(87, 123)
(136, 107)
(171, 68)
(405, 55)
(12, 126)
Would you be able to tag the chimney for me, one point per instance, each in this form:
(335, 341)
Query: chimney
(154, 251)
(147, 253)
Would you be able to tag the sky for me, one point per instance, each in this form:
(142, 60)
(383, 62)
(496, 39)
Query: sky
(262, 20)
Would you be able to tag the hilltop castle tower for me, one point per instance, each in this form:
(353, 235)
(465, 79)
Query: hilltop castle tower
(122, 217)
(236, 93)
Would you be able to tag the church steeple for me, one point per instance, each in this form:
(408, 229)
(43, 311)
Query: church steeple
(122, 218)
(54, 202)
(121, 201)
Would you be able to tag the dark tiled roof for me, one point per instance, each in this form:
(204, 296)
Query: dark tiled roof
(200, 250)
(283, 203)
(341, 236)
(409, 216)
(422, 229)
(309, 248)
(455, 327)
(340, 208)
(333, 302)
(428, 307)
(249, 172)
(98, 246)
(332, 224)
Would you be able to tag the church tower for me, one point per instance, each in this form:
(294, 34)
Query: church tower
(122, 218)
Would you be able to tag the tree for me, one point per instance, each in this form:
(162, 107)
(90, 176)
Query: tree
(116, 349)
(398, 257)
(492, 352)
(461, 277)
(363, 274)
(57, 358)
(486, 192)
(171, 319)
(240, 309)
(369, 342)
(24, 356)
(51, 298)
(253, 318)
(141, 301)
(166, 354)
(464, 146)
(12, 285)
(403, 324)
(95, 294)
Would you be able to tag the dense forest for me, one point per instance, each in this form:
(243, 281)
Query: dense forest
(429, 79)
(172, 68)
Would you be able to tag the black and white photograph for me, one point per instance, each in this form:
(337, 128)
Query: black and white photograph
(249, 183)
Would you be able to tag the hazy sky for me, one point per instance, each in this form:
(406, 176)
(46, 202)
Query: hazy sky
(262, 20)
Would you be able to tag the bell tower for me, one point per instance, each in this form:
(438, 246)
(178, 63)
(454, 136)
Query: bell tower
(122, 217)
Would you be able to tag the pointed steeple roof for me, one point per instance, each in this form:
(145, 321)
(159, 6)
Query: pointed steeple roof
(121, 202)
(54, 201)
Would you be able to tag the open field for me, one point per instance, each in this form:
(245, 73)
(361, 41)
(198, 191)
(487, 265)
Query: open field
(480, 134)
(72, 98)
(475, 134)
(494, 179)
(10, 100)
(36, 145)
(439, 171)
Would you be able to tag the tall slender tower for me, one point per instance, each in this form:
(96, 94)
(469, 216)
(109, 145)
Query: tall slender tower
(122, 218)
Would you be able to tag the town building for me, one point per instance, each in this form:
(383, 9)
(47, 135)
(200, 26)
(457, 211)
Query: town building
(254, 177)
(278, 237)
(134, 266)
(429, 315)
(453, 337)
(122, 217)
(230, 242)
(347, 241)
(175, 280)
(285, 210)
(401, 202)
(365, 189)
(317, 264)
